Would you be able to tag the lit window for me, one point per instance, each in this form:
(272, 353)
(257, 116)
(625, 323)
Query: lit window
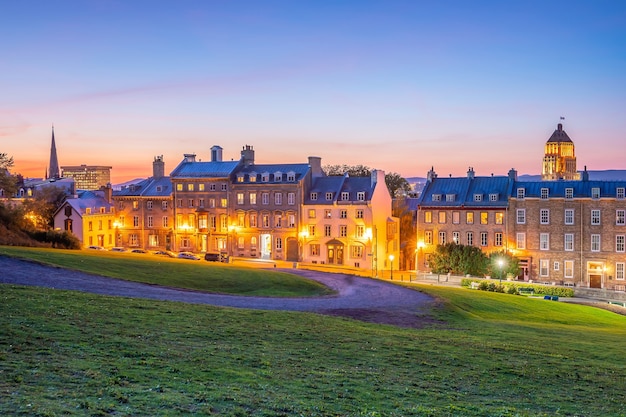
(327, 214)
(499, 217)
(189, 187)
(428, 217)
(311, 213)
(568, 267)
(252, 198)
(484, 217)
(456, 237)
(442, 217)
(179, 187)
(521, 240)
(469, 217)
(428, 237)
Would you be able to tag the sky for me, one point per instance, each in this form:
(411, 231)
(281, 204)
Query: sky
(401, 86)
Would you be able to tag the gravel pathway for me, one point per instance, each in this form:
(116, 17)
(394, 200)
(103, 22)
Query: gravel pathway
(359, 298)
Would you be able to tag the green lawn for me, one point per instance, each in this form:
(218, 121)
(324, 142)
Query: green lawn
(181, 273)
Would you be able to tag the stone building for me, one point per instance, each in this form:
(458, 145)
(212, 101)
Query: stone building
(559, 161)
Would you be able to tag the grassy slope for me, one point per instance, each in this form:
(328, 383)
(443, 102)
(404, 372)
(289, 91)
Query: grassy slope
(182, 273)
(66, 353)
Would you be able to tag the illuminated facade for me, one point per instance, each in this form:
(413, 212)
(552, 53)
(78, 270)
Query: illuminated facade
(559, 161)
(88, 177)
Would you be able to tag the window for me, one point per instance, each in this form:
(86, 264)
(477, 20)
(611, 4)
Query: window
(315, 249)
(265, 218)
(240, 242)
(595, 243)
(189, 187)
(545, 193)
(360, 231)
(568, 242)
(483, 238)
(327, 230)
(428, 237)
(620, 217)
(190, 202)
(135, 205)
(278, 199)
(135, 221)
(201, 202)
(311, 213)
(359, 214)
(619, 243)
(544, 241)
(436, 197)
(291, 199)
(153, 240)
(150, 221)
(224, 202)
(179, 187)
(442, 238)
(544, 265)
(211, 202)
(253, 222)
(595, 193)
(520, 239)
(343, 230)
(164, 205)
(265, 177)
(450, 197)
(595, 217)
(469, 217)
(327, 214)
(360, 196)
(134, 240)
(470, 238)
(498, 239)
(493, 197)
(90, 226)
(442, 217)
(149, 205)
(521, 193)
(484, 217)
(544, 216)
(329, 196)
(478, 197)
(568, 267)
(428, 217)
(343, 214)
(620, 193)
(521, 216)
(252, 177)
(212, 187)
(265, 198)
(166, 221)
(345, 196)
(456, 217)
(569, 216)
(569, 193)
(253, 243)
(278, 220)
(291, 176)
(278, 176)
(200, 187)
(356, 251)
(240, 198)
(202, 222)
(279, 243)
(179, 202)
(619, 270)
(291, 220)
(253, 198)
(557, 266)
(314, 196)
(456, 237)
(499, 217)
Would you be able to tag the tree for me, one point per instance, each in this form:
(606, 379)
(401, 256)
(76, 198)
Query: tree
(352, 170)
(459, 260)
(8, 183)
(397, 185)
(407, 233)
(40, 209)
(509, 265)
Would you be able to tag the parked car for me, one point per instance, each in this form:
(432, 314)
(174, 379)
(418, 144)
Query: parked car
(139, 251)
(118, 249)
(188, 255)
(95, 247)
(165, 253)
(215, 257)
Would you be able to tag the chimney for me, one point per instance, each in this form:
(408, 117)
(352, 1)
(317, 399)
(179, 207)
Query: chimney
(513, 174)
(216, 153)
(559, 127)
(158, 167)
(431, 174)
(108, 193)
(315, 162)
(470, 173)
(247, 155)
(585, 175)
(189, 157)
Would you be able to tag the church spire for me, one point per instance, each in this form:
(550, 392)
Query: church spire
(53, 171)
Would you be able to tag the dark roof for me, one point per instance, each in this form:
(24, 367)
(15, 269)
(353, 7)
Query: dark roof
(151, 187)
(338, 185)
(300, 171)
(559, 135)
(493, 192)
(580, 189)
(212, 169)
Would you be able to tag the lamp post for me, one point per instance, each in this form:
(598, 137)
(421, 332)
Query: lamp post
(302, 242)
(391, 265)
(501, 266)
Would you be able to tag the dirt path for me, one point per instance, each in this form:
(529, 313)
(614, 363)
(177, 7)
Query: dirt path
(359, 298)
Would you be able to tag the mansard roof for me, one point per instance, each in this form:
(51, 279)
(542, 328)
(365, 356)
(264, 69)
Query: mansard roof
(580, 189)
(211, 169)
(151, 187)
(466, 192)
(299, 170)
(337, 185)
(88, 199)
(559, 135)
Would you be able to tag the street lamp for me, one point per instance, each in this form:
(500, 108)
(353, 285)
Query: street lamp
(391, 265)
(501, 266)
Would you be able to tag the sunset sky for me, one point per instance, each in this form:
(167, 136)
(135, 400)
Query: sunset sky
(394, 85)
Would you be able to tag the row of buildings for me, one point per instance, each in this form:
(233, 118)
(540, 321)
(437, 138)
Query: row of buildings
(291, 212)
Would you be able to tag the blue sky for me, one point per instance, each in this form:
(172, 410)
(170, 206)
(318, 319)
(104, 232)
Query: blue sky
(399, 86)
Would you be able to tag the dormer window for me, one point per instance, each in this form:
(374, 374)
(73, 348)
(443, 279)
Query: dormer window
(329, 196)
(521, 193)
(265, 177)
(240, 178)
(620, 193)
(159, 189)
(436, 197)
(478, 197)
(345, 196)
(314, 196)
(569, 193)
(360, 196)
(545, 193)
(595, 193)
(291, 176)
(450, 197)
(278, 176)
(252, 176)
(494, 196)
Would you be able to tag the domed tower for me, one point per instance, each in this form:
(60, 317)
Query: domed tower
(559, 161)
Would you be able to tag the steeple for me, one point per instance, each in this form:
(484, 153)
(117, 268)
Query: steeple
(53, 171)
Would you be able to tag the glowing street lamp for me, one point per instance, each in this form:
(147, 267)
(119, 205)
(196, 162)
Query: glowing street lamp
(391, 257)
(501, 267)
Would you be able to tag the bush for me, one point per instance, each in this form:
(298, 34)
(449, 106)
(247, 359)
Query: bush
(513, 288)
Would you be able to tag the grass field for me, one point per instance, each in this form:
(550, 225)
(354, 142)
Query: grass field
(69, 353)
(181, 273)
